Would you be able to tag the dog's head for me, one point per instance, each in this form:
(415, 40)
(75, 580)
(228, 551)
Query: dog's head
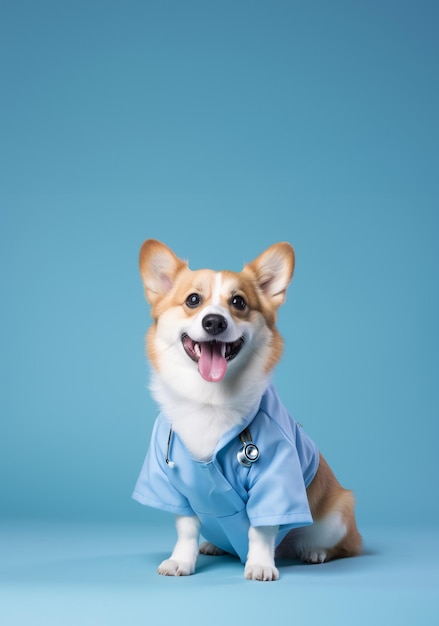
(213, 328)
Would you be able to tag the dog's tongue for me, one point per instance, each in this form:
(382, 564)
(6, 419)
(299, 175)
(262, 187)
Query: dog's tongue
(212, 365)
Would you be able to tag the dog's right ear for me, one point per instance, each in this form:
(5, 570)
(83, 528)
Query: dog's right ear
(158, 268)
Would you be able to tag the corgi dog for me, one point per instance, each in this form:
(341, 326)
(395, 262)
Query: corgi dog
(225, 455)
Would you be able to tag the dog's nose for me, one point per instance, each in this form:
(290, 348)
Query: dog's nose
(214, 324)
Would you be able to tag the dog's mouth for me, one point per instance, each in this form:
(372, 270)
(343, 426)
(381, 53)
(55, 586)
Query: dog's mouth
(212, 356)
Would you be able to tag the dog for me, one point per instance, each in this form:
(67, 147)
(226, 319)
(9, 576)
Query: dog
(225, 455)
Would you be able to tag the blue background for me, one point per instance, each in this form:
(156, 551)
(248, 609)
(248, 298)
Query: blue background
(220, 128)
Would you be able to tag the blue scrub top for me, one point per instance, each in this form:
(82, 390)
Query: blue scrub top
(226, 496)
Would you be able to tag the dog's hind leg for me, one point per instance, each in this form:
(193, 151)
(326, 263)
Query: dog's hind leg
(211, 549)
(334, 532)
(324, 540)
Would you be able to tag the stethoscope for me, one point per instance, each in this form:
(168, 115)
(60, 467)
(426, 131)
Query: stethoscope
(248, 454)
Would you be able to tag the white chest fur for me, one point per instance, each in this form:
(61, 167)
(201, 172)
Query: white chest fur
(200, 424)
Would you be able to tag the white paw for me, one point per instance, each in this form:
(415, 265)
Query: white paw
(210, 549)
(169, 567)
(317, 556)
(254, 571)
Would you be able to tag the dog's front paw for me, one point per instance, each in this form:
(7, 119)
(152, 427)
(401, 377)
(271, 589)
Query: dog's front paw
(170, 567)
(255, 571)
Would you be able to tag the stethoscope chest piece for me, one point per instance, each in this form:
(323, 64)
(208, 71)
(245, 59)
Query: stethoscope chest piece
(249, 453)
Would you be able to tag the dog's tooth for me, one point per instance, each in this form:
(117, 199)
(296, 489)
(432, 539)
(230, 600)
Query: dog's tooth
(223, 349)
(197, 349)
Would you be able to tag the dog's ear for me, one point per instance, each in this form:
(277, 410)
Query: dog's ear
(273, 270)
(158, 267)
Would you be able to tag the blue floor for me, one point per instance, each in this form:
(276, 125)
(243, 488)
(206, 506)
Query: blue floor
(92, 574)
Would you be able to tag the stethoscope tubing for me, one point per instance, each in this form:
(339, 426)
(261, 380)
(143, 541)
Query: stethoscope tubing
(248, 454)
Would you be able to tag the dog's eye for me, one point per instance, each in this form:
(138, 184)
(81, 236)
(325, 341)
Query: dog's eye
(238, 302)
(193, 300)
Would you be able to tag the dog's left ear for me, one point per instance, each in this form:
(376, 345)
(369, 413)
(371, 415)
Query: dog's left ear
(273, 270)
